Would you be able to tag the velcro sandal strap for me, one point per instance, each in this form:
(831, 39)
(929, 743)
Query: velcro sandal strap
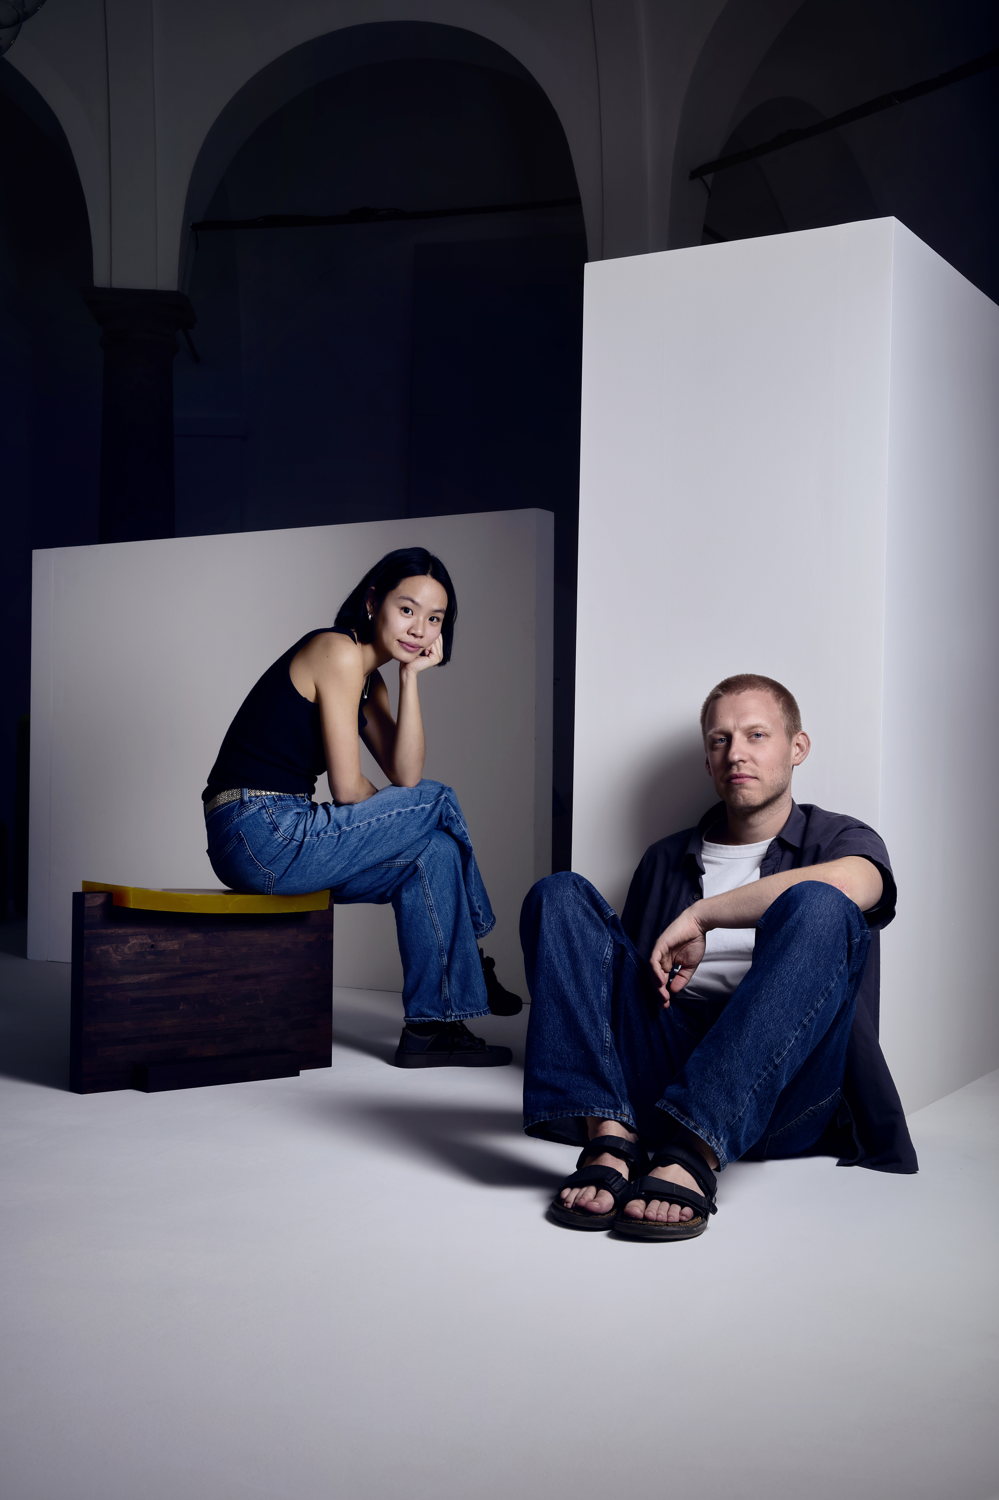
(692, 1162)
(654, 1189)
(612, 1145)
(600, 1177)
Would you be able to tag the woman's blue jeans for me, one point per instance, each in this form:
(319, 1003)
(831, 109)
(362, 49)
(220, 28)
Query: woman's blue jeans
(406, 845)
(757, 1074)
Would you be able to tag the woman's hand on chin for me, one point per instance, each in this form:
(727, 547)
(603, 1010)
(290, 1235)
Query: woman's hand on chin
(431, 657)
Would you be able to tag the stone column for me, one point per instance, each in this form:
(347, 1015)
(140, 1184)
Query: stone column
(139, 337)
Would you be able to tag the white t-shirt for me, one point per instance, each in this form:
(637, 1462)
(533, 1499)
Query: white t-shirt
(729, 950)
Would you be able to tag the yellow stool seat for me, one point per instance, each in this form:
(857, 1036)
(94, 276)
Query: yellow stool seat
(209, 902)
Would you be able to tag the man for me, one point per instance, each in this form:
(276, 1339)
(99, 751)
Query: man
(732, 1011)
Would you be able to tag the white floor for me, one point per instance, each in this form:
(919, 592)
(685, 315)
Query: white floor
(344, 1285)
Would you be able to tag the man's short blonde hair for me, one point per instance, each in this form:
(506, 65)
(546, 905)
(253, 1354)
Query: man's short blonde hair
(752, 682)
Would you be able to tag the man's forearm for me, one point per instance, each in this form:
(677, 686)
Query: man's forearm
(855, 876)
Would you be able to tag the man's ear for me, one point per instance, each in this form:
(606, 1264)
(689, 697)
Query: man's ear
(800, 747)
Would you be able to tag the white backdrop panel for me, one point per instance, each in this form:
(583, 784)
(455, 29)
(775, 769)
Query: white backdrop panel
(940, 811)
(735, 402)
(788, 461)
(142, 651)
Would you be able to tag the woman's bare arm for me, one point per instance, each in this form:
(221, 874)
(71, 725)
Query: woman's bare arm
(398, 745)
(335, 665)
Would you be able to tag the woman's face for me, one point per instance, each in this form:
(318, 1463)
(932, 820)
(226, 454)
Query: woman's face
(410, 618)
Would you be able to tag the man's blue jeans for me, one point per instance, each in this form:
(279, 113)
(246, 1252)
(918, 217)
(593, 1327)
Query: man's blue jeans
(757, 1074)
(407, 845)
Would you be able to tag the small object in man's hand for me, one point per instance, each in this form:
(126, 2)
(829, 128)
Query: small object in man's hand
(674, 971)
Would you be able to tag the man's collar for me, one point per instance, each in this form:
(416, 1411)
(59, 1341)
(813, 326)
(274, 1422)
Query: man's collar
(791, 834)
(794, 829)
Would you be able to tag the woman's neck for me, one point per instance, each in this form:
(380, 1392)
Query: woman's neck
(371, 657)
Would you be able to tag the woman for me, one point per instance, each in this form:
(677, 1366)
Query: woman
(407, 843)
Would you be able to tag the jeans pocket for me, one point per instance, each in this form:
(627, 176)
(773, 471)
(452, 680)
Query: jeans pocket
(238, 867)
(286, 819)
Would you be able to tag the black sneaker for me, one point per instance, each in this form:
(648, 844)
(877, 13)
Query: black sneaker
(450, 1045)
(501, 1002)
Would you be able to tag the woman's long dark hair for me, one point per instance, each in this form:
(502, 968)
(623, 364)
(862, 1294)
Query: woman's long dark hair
(405, 562)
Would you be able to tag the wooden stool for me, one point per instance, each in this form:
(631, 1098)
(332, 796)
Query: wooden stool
(172, 989)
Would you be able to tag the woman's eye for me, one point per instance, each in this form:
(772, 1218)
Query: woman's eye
(405, 609)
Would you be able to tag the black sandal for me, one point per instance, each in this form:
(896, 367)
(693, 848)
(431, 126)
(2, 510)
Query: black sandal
(654, 1189)
(607, 1178)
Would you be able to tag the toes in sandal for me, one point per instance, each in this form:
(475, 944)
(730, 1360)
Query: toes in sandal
(607, 1178)
(655, 1189)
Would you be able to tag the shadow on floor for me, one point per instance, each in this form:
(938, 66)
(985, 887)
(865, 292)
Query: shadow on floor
(457, 1138)
(34, 1021)
(371, 1026)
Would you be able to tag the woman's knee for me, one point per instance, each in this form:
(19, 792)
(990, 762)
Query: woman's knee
(434, 790)
(440, 851)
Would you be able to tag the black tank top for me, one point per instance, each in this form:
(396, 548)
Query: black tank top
(275, 742)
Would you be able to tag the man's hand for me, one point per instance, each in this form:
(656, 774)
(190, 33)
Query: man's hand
(682, 943)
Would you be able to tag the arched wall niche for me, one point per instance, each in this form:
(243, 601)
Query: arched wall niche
(47, 95)
(925, 161)
(411, 117)
(739, 41)
(49, 359)
(798, 187)
(319, 61)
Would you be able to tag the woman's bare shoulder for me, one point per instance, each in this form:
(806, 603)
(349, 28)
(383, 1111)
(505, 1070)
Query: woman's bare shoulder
(326, 656)
(334, 642)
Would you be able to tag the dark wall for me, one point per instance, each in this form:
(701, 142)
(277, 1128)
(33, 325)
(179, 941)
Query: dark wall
(930, 161)
(50, 371)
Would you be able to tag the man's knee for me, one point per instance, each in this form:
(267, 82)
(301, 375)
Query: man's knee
(815, 900)
(813, 909)
(563, 888)
(557, 898)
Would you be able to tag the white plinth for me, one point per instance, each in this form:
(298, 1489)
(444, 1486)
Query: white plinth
(790, 457)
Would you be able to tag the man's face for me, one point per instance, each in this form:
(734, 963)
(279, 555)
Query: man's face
(748, 752)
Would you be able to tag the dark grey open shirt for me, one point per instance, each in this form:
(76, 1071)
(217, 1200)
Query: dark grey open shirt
(870, 1130)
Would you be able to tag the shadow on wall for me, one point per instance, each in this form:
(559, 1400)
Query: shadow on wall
(671, 790)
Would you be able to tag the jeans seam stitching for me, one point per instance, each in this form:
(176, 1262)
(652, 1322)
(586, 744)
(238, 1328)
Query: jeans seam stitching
(804, 1023)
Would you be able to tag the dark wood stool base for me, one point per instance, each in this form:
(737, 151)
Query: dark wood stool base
(166, 1000)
